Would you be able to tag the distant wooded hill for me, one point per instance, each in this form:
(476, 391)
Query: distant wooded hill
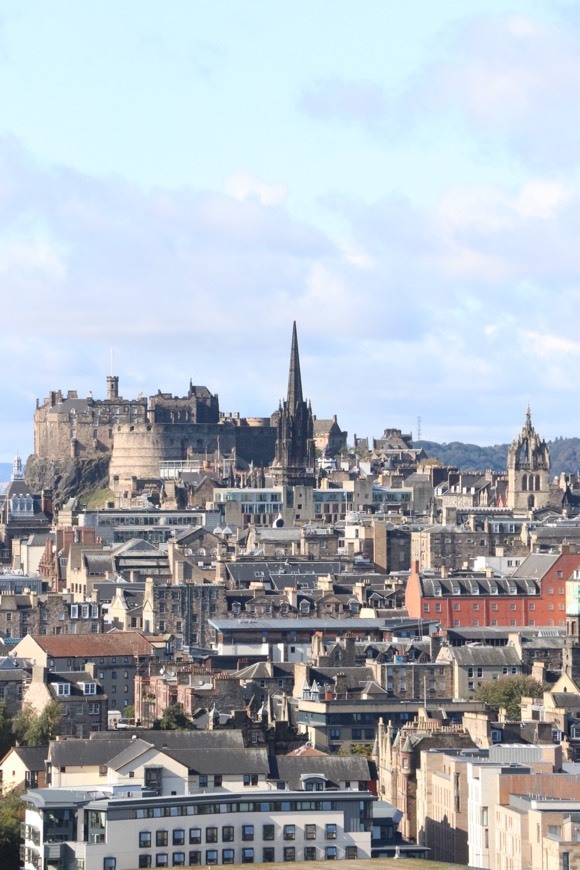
(564, 454)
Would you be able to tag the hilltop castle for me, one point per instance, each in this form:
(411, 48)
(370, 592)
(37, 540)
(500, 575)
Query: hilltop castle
(139, 435)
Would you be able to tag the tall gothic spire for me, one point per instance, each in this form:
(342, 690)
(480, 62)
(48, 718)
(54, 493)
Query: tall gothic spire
(294, 378)
(295, 428)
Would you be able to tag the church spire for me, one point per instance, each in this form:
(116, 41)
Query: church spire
(295, 429)
(294, 378)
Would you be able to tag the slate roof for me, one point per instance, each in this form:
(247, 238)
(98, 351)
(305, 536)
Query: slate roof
(136, 546)
(336, 769)
(82, 753)
(323, 427)
(222, 761)
(566, 699)
(309, 622)
(32, 756)
(372, 688)
(274, 536)
(485, 656)
(245, 572)
(177, 739)
(98, 563)
(356, 678)
(129, 753)
(265, 671)
(478, 584)
(67, 405)
(536, 565)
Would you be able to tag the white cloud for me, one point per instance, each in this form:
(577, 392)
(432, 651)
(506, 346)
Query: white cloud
(514, 81)
(243, 185)
(364, 102)
(454, 312)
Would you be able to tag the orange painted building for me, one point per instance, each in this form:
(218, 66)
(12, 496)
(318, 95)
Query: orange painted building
(533, 595)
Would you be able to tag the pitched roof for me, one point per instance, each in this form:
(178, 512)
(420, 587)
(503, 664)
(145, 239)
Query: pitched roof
(306, 751)
(82, 753)
(32, 756)
(292, 768)
(112, 643)
(222, 761)
(129, 753)
(177, 739)
(489, 656)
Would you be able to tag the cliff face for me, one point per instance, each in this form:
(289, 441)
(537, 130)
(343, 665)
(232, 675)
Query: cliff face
(66, 477)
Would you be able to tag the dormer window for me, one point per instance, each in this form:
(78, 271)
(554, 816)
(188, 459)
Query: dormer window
(455, 590)
(63, 689)
(437, 590)
(313, 782)
(474, 589)
(89, 688)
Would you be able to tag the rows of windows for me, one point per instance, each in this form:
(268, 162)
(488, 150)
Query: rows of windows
(246, 855)
(208, 809)
(211, 834)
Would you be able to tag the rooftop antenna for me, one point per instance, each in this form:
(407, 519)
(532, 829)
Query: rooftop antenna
(112, 355)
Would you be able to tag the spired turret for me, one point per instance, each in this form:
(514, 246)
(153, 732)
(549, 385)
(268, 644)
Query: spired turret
(528, 470)
(295, 429)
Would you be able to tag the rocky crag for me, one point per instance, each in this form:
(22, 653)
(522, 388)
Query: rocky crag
(67, 477)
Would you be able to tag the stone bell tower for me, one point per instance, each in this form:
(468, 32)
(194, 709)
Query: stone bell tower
(528, 470)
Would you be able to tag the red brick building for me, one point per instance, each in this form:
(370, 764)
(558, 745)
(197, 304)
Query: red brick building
(534, 595)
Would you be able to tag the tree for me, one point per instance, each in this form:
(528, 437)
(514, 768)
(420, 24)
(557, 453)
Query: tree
(365, 749)
(11, 815)
(6, 733)
(34, 730)
(174, 719)
(508, 693)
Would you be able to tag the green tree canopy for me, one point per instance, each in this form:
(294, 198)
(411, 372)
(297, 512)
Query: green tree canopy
(32, 729)
(508, 693)
(174, 719)
(11, 814)
(6, 733)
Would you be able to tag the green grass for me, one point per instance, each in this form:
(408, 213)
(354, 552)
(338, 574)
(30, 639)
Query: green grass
(95, 499)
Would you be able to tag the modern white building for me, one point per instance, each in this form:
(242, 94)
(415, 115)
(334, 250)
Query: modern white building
(93, 830)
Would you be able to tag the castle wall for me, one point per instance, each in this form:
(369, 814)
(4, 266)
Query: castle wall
(256, 444)
(68, 427)
(139, 450)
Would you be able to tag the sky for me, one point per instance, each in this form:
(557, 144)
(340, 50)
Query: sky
(181, 181)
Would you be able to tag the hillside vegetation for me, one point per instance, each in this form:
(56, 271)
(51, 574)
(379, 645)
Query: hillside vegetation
(564, 454)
